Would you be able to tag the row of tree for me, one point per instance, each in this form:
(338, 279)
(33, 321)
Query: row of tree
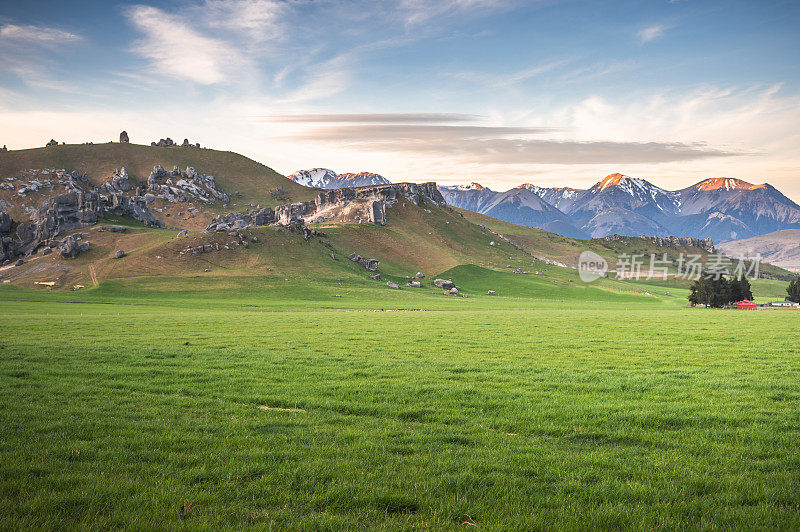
(717, 290)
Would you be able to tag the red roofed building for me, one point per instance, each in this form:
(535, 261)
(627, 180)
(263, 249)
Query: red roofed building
(746, 304)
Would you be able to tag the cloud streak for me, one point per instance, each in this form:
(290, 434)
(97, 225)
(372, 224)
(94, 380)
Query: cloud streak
(37, 35)
(504, 145)
(375, 118)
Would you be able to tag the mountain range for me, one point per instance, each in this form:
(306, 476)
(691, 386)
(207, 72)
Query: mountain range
(324, 178)
(723, 209)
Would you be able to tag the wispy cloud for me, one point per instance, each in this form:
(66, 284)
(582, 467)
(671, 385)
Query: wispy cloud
(30, 52)
(416, 12)
(40, 35)
(260, 19)
(650, 33)
(178, 50)
(375, 118)
(511, 79)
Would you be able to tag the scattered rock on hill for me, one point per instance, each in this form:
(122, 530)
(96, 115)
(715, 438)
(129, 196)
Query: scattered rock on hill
(20, 262)
(420, 275)
(414, 284)
(184, 232)
(452, 292)
(376, 277)
(52, 142)
(390, 284)
(71, 246)
(519, 271)
(491, 292)
(370, 264)
(445, 284)
(123, 137)
(119, 254)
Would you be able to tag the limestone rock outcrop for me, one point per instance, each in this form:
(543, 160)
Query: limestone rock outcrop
(240, 220)
(71, 246)
(5, 223)
(118, 182)
(183, 186)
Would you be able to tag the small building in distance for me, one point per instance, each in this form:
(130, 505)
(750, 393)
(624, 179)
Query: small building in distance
(746, 305)
(783, 304)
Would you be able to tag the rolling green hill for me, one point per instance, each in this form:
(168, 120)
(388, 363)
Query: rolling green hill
(233, 172)
(429, 239)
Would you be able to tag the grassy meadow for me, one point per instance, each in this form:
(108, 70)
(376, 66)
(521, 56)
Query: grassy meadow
(165, 404)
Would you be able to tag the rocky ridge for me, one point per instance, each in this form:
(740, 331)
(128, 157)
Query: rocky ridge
(345, 205)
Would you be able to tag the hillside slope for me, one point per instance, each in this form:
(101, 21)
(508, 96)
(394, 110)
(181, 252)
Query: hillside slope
(781, 248)
(233, 172)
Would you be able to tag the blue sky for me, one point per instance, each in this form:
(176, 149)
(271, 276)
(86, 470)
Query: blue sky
(501, 92)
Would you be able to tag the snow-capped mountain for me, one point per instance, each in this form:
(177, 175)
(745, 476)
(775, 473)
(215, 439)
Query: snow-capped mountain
(718, 208)
(519, 205)
(561, 198)
(324, 178)
(617, 190)
(732, 209)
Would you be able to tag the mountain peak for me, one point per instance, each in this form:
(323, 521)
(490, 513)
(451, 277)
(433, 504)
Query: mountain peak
(726, 183)
(612, 180)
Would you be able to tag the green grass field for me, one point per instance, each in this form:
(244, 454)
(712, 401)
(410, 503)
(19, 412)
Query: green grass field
(170, 404)
(275, 386)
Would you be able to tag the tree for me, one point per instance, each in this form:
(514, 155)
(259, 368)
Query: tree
(717, 291)
(744, 289)
(794, 290)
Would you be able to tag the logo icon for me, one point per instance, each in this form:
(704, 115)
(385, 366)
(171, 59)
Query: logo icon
(591, 266)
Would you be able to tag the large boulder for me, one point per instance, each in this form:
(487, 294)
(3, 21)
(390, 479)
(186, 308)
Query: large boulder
(5, 223)
(390, 284)
(8, 248)
(71, 246)
(118, 182)
(370, 264)
(444, 284)
(414, 284)
(123, 137)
